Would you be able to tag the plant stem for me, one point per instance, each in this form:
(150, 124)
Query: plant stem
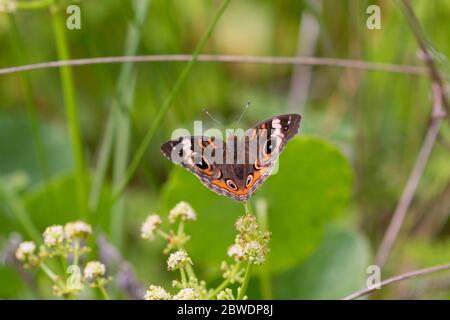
(16, 206)
(245, 282)
(248, 207)
(167, 103)
(104, 292)
(18, 45)
(221, 286)
(183, 276)
(264, 275)
(59, 29)
(162, 234)
(48, 272)
(122, 109)
(76, 252)
(224, 283)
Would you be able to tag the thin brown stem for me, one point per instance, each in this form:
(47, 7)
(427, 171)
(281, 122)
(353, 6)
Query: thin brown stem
(398, 278)
(312, 61)
(439, 103)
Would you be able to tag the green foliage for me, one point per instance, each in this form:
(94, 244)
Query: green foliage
(313, 175)
(337, 268)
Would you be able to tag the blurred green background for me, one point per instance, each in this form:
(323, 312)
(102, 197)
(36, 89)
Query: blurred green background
(338, 182)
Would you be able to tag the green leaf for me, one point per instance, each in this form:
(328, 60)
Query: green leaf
(312, 186)
(336, 269)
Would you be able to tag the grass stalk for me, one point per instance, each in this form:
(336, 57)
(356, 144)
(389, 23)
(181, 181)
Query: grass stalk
(167, 103)
(122, 108)
(19, 51)
(16, 207)
(67, 83)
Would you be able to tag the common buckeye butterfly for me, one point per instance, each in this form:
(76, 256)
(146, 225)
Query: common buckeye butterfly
(238, 167)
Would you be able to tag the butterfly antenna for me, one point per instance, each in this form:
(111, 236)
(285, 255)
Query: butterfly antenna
(247, 105)
(214, 119)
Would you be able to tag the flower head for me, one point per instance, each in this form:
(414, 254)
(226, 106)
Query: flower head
(255, 252)
(149, 226)
(94, 270)
(186, 294)
(235, 251)
(156, 293)
(178, 260)
(53, 236)
(182, 211)
(77, 230)
(247, 224)
(25, 250)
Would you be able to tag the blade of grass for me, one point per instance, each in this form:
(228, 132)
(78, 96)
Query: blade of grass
(123, 86)
(67, 83)
(167, 103)
(121, 112)
(42, 159)
(15, 205)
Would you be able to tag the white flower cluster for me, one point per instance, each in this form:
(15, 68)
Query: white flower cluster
(53, 236)
(149, 226)
(94, 270)
(157, 293)
(250, 244)
(25, 250)
(182, 211)
(186, 294)
(77, 230)
(178, 259)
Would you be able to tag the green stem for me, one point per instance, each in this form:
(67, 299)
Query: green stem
(245, 282)
(163, 234)
(183, 276)
(16, 206)
(48, 272)
(265, 277)
(221, 286)
(104, 292)
(121, 110)
(76, 252)
(31, 106)
(59, 29)
(190, 272)
(224, 283)
(167, 103)
(248, 207)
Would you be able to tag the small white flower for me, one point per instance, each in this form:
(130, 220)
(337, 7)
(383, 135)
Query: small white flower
(149, 226)
(178, 260)
(77, 229)
(255, 252)
(94, 270)
(186, 294)
(182, 210)
(156, 293)
(53, 236)
(247, 224)
(25, 250)
(235, 251)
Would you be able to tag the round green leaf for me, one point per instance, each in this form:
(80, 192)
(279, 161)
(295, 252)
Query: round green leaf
(336, 269)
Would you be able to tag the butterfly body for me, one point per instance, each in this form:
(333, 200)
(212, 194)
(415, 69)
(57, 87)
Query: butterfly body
(238, 167)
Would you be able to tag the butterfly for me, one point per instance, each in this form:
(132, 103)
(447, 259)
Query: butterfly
(238, 167)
